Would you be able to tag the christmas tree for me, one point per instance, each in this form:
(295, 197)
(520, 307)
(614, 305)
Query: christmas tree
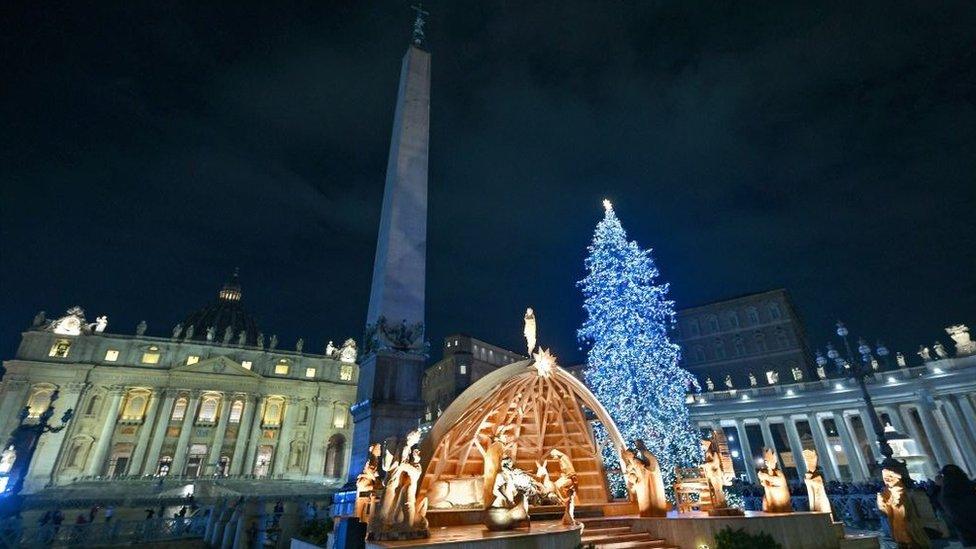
(631, 365)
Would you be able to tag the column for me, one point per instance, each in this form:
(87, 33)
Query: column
(796, 446)
(284, 441)
(148, 422)
(824, 451)
(869, 432)
(968, 412)
(159, 432)
(933, 433)
(747, 458)
(97, 463)
(914, 430)
(957, 436)
(50, 444)
(321, 431)
(218, 442)
(179, 456)
(767, 434)
(255, 438)
(243, 434)
(855, 462)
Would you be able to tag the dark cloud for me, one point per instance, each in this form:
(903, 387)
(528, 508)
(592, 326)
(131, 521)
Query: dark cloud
(827, 148)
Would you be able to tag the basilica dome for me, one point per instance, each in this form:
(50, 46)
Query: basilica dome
(227, 311)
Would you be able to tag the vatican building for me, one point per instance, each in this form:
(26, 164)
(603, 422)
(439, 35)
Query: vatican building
(217, 398)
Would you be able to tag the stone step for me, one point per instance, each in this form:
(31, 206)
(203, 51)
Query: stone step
(612, 538)
(649, 543)
(606, 531)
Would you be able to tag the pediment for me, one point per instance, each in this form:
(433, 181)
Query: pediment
(217, 365)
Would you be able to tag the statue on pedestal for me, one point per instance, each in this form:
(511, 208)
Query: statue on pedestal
(960, 335)
(273, 342)
(141, 328)
(39, 319)
(752, 379)
(101, 323)
(177, 330)
(728, 380)
(776, 490)
(211, 332)
(242, 338)
(300, 345)
(260, 340)
(228, 335)
(814, 479)
(709, 384)
(348, 351)
(189, 332)
(923, 352)
(939, 350)
(896, 503)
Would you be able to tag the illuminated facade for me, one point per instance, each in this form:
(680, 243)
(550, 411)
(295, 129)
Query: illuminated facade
(195, 404)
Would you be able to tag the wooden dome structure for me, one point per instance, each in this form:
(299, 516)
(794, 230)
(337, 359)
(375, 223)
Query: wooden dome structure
(541, 407)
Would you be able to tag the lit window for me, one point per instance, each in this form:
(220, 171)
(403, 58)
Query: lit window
(235, 412)
(38, 402)
(208, 409)
(272, 411)
(179, 409)
(111, 355)
(339, 416)
(151, 356)
(309, 372)
(281, 367)
(60, 348)
(192, 359)
(247, 364)
(464, 368)
(345, 372)
(135, 407)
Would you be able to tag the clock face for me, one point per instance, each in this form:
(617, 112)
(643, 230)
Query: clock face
(69, 325)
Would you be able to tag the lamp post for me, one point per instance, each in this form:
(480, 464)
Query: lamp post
(23, 443)
(858, 370)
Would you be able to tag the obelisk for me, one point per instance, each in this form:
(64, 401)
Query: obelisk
(388, 403)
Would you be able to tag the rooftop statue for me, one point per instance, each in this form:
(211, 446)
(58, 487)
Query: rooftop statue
(260, 340)
(228, 335)
(242, 338)
(940, 350)
(273, 343)
(923, 352)
(71, 324)
(189, 332)
(348, 352)
(39, 319)
(177, 330)
(330, 350)
(529, 330)
(211, 332)
(141, 328)
(299, 345)
(100, 324)
(960, 335)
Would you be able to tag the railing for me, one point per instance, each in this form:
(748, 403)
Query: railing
(102, 533)
(856, 510)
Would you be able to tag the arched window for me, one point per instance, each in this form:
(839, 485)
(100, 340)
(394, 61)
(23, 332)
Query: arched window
(713, 323)
(334, 452)
(739, 346)
(303, 415)
(733, 318)
(78, 453)
(340, 415)
(693, 329)
(93, 403)
(208, 409)
(760, 340)
(699, 354)
(236, 410)
(774, 311)
(179, 409)
(719, 349)
(39, 401)
(753, 314)
(782, 340)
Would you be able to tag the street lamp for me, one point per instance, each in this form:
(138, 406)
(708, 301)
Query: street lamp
(858, 370)
(23, 442)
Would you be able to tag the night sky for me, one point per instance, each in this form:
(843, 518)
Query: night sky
(149, 148)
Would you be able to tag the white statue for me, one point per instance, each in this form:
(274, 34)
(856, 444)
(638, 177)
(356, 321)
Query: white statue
(923, 352)
(177, 330)
(529, 330)
(141, 328)
(211, 332)
(330, 349)
(260, 340)
(900, 360)
(348, 351)
(242, 338)
(39, 319)
(772, 377)
(821, 373)
(940, 350)
(960, 335)
(728, 381)
(189, 332)
(797, 374)
(709, 384)
(273, 342)
(101, 323)
(300, 344)
(228, 335)
(752, 379)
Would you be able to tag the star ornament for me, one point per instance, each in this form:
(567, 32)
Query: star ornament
(544, 362)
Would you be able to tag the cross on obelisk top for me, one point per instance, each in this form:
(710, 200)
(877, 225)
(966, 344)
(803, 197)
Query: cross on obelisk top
(418, 25)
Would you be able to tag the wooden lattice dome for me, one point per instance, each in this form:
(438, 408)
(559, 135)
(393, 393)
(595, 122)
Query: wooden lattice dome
(543, 408)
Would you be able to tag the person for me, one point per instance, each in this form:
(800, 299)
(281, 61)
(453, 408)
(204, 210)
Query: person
(958, 501)
(109, 513)
(92, 512)
(150, 513)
